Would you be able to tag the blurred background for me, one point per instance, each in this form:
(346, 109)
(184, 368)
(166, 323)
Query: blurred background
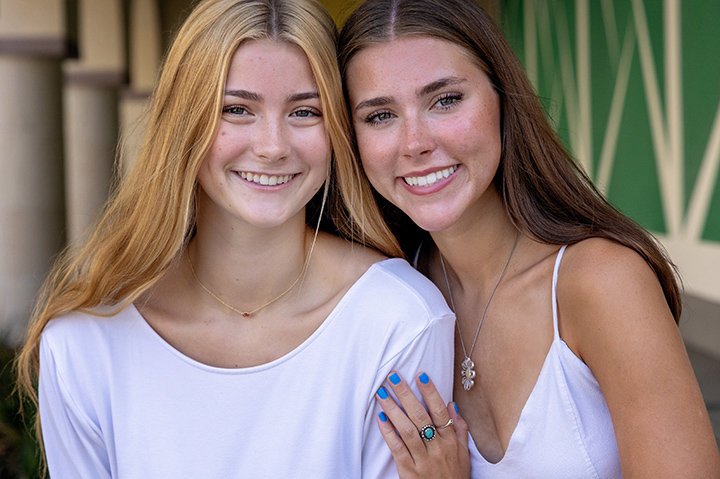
(633, 87)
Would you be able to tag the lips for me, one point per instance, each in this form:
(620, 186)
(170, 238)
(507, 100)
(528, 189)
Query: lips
(430, 179)
(265, 180)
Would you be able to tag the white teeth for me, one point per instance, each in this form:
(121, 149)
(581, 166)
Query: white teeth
(430, 179)
(272, 180)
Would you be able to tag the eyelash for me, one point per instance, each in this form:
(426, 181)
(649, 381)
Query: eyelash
(373, 118)
(229, 109)
(455, 97)
(311, 112)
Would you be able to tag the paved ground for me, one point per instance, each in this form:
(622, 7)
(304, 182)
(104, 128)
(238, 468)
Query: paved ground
(707, 371)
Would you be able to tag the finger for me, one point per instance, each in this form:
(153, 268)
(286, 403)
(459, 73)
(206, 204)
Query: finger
(414, 409)
(459, 425)
(397, 447)
(435, 403)
(404, 426)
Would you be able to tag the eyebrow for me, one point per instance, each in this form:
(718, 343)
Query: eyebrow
(245, 95)
(438, 84)
(311, 95)
(422, 91)
(252, 96)
(374, 102)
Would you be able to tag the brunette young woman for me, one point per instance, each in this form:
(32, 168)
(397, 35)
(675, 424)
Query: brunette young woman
(568, 359)
(197, 331)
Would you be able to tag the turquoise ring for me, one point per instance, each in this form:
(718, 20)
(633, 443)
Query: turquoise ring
(428, 432)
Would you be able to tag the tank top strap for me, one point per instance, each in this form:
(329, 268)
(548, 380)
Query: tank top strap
(416, 258)
(554, 291)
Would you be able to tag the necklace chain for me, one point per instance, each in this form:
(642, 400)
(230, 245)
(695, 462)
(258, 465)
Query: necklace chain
(467, 372)
(247, 314)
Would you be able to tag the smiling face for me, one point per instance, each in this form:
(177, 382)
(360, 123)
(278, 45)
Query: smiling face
(427, 121)
(271, 152)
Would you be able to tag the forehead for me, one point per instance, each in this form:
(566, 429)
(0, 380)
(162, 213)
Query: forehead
(270, 64)
(408, 61)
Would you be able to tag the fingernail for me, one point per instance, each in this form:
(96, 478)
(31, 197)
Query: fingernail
(424, 378)
(382, 417)
(382, 393)
(456, 409)
(394, 378)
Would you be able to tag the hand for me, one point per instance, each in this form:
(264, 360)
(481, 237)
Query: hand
(446, 455)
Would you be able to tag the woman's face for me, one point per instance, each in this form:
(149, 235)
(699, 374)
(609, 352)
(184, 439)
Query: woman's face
(271, 153)
(427, 121)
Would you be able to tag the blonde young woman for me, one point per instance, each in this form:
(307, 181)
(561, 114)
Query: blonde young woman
(568, 359)
(204, 329)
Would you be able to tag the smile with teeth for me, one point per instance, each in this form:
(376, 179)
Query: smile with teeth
(265, 180)
(430, 179)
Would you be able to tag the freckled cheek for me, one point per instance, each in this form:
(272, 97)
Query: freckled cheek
(316, 148)
(380, 173)
(473, 134)
(380, 167)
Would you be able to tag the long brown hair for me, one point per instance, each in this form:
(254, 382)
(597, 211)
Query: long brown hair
(150, 218)
(543, 189)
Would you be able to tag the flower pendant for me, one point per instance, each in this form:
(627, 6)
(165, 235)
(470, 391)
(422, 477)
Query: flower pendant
(467, 373)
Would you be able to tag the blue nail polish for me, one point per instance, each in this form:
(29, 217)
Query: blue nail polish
(394, 378)
(456, 409)
(382, 393)
(382, 417)
(424, 378)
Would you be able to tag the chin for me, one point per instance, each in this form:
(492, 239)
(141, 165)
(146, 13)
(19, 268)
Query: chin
(433, 224)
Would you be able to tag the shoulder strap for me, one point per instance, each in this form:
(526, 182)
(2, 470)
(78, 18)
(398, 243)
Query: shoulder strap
(554, 291)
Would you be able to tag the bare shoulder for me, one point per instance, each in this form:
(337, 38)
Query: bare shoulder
(343, 259)
(594, 269)
(607, 288)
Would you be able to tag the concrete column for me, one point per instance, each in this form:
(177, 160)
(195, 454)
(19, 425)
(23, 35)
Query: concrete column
(91, 83)
(91, 134)
(35, 35)
(32, 216)
(146, 49)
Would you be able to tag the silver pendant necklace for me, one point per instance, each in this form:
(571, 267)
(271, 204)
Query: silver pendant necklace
(467, 368)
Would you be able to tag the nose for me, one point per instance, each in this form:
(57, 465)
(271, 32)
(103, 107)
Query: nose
(272, 142)
(419, 140)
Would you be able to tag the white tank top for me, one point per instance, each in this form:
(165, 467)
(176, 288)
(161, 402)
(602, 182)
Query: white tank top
(564, 431)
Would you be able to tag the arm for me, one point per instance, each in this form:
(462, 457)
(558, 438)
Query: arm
(73, 446)
(613, 314)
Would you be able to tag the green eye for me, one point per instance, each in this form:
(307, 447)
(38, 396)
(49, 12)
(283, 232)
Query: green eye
(234, 110)
(305, 113)
(449, 100)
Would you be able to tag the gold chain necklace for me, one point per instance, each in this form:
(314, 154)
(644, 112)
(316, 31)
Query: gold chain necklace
(467, 371)
(247, 314)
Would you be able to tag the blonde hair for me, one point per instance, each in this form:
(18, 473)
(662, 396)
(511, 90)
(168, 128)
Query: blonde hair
(152, 215)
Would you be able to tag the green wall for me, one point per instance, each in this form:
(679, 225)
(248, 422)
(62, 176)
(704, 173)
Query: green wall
(634, 88)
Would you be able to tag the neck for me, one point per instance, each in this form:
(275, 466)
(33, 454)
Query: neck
(474, 251)
(247, 266)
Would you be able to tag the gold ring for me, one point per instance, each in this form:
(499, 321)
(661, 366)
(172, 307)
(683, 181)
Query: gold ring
(448, 424)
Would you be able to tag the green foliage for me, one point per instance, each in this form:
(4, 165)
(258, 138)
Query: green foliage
(19, 456)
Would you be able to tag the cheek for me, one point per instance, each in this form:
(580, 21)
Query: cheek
(379, 172)
(376, 152)
(317, 149)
